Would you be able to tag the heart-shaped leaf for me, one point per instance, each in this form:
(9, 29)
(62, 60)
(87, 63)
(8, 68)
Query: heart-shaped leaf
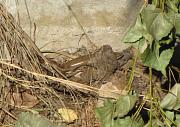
(177, 121)
(27, 119)
(160, 27)
(172, 99)
(124, 105)
(105, 113)
(135, 32)
(152, 58)
(172, 4)
(155, 123)
(112, 114)
(177, 24)
(157, 22)
(148, 15)
(128, 122)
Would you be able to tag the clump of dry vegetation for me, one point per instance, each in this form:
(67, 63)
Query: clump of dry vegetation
(29, 79)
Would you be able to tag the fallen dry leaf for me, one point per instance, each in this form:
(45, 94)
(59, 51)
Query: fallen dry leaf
(68, 115)
(109, 90)
(22, 99)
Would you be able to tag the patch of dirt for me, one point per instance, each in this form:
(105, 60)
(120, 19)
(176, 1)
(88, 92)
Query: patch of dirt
(95, 69)
(101, 67)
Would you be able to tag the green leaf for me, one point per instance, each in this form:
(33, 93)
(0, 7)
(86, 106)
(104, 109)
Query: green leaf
(177, 24)
(155, 123)
(128, 122)
(152, 58)
(171, 16)
(177, 121)
(105, 114)
(172, 5)
(157, 22)
(148, 15)
(148, 36)
(172, 99)
(141, 45)
(110, 113)
(160, 27)
(135, 32)
(167, 41)
(124, 105)
(27, 119)
(170, 115)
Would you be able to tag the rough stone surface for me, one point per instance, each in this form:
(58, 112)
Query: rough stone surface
(105, 21)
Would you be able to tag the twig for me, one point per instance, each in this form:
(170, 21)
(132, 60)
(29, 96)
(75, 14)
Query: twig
(74, 85)
(17, 8)
(34, 33)
(7, 112)
(80, 25)
(30, 22)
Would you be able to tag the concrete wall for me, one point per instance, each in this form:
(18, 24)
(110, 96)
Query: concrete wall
(105, 21)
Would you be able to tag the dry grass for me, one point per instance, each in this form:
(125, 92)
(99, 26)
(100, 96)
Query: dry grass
(24, 68)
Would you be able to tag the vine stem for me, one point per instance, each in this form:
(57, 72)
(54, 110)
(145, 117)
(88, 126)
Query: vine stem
(162, 5)
(151, 94)
(132, 72)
